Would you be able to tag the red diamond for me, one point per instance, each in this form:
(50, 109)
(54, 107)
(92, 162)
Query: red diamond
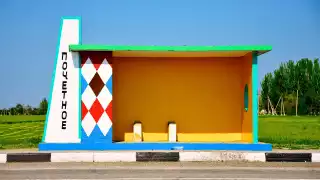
(109, 110)
(84, 110)
(96, 110)
(96, 66)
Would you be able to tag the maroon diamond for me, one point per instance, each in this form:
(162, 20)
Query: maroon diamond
(96, 84)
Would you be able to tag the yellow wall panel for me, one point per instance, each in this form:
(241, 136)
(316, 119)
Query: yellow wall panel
(204, 96)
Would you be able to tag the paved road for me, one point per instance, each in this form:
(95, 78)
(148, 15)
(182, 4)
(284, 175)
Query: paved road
(157, 171)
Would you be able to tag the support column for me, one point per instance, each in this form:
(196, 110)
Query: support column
(96, 97)
(255, 85)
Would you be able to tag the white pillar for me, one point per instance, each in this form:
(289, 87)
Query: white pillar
(172, 132)
(137, 132)
(63, 116)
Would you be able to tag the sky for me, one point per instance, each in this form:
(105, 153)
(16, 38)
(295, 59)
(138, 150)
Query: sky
(29, 33)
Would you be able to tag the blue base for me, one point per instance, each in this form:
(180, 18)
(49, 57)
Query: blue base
(154, 146)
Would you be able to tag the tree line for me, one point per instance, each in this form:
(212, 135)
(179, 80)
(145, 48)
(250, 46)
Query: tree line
(296, 85)
(21, 109)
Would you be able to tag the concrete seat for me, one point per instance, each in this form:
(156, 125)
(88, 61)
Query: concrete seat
(137, 131)
(172, 132)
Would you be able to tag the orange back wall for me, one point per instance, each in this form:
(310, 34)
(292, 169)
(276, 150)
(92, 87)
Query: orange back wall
(204, 96)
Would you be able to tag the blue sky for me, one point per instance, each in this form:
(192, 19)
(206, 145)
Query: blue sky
(29, 32)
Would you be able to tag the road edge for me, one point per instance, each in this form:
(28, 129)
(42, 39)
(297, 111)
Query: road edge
(183, 156)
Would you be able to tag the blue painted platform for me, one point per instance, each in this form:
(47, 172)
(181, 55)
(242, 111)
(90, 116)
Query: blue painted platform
(155, 146)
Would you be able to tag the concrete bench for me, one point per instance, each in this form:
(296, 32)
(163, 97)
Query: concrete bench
(137, 131)
(172, 132)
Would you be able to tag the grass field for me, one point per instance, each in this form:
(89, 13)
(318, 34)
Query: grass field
(290, 131)
(20, 131)
(283, 132)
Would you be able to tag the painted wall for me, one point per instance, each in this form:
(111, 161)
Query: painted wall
(247, 115)
(96, 97)
(204, 96)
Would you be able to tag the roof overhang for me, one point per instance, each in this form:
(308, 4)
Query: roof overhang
(173, 51)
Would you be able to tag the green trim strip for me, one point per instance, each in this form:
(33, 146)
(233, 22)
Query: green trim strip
(52, 82)
(255, 97)
(88, 47)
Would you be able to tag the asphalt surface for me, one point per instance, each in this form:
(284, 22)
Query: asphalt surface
(157, 171)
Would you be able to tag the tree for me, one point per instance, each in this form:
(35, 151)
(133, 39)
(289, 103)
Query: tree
(266, 86)
(291, 78)
(35, 111)
(18, 109)
(43, 106)
(27, 110)
(12, 111)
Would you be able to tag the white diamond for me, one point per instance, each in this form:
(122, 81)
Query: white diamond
(104, 123)
(88, 97)
(88, 70)
(104, 97)
(88, 124)
(105, 71)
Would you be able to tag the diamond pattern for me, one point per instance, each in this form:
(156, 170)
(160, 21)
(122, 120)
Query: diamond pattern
(104, 97)
(96, 84)
(109, 84)
(84, 84)
(104, 123)
(96, 110)
(84, 110)
(96, 97)
(88, 97)
(97, 60)
(88, 124)
(88, 70)
(109, 110)
(105, 71)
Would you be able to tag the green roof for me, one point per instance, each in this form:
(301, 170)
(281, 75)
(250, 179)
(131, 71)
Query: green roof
(87, 47)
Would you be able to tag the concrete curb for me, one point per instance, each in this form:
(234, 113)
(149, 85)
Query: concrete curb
(72, 157)
(28, 157)
(3, 158)
(222, 156)
(114, 157)
(183, 156)
(315, 157)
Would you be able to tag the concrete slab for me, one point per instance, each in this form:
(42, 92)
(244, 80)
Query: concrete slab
(222, 156)
(72, 157)
(315, 157)
(114, 156)
(3, 158)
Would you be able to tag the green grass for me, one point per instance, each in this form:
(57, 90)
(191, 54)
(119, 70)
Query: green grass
(20, 131)
(21, 119)
(290, 132)
(282, 131)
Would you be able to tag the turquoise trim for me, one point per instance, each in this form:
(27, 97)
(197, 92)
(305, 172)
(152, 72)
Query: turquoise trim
(80, 109)
(255, 97)
(52, 82)
(72, 17)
